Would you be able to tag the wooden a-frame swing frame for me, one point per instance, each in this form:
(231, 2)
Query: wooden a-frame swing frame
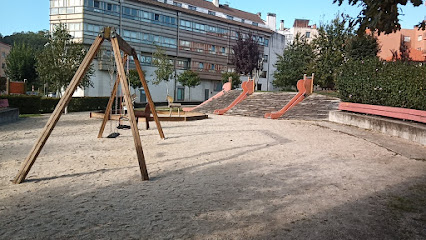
(118, 44)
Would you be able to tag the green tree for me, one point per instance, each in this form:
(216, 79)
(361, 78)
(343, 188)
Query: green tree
(362, 47)
(35, 40)
(59, 60)
(235, 79)
(189, 79)
(380, 15)
(329, 48)
(133, 78)
(246, 54)
(165, 68)
(297, 59)
(21, 65)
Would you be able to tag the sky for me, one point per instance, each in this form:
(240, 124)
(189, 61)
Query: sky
(33, 15)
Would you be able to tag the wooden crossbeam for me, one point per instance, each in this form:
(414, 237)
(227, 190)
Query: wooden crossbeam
(54, 117)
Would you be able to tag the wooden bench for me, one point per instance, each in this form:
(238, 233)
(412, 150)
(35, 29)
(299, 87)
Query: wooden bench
(393, 112)
(4, 103)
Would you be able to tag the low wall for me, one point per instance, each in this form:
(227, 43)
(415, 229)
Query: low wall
(9, 115)
(412, 131)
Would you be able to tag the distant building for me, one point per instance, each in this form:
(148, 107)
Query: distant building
(196, 35)
(4, 51)
(302, 27)
(414, 39)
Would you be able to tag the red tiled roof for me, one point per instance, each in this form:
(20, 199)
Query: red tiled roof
(224, 9)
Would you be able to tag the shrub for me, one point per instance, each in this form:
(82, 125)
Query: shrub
(47, 105)
(25, 104)
(37, 104)
(376, 82)
(79, 104)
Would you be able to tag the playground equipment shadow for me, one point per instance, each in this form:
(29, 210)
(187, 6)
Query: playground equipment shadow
(223, 178)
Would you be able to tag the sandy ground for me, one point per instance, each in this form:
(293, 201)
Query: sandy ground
(220, 178)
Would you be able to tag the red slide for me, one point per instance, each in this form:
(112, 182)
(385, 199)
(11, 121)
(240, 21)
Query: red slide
(248, 88)
(304, 86)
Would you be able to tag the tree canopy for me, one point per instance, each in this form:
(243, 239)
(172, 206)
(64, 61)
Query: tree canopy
(59, 60)
(21, 64)
(235, 79)
(380, 15)
(189, 79)
(330, 46)
(34, 40)
(246, 54)
(295, 61)
(165, 68)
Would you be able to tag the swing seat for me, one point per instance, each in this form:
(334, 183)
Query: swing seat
(123, 126)
(113, 135)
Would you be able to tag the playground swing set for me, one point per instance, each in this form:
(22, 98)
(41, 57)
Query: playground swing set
(305, 87)
(118, 45)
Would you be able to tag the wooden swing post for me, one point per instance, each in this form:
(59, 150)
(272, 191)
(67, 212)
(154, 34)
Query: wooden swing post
(118, 44)
(51, 123)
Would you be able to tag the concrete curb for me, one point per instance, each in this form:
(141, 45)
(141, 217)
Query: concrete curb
(9, 115)
(412, 131)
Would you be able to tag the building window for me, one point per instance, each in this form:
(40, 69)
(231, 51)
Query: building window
(3, 65)
(200, 65)
(266, 42)
(223, 50)
(96, 4)
(157, 17)
(419, 38)
(218, 86)
(407, 39)
(213, 49)
(181, 94)
(255, 24)
(178, 4)
(212, 67)
(229, 17)
(3, 54)
(190, 7)
(242, 20)
(308, 34)
(265, 58)
(212, 13)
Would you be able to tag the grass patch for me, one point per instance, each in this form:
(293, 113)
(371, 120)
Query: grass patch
(29, 115)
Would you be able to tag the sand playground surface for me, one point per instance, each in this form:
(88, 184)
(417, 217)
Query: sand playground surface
(221, 178)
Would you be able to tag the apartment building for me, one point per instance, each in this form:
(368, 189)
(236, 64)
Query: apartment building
(4, 51)
(414, 39)
(195, 34)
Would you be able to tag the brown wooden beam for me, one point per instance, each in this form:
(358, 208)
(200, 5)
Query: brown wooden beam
(148, 94)
(128, 99)
(54, 117)
(124, 46)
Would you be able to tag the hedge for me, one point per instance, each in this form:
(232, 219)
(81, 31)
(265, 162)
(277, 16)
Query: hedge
(395, 84)
(37, 104)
